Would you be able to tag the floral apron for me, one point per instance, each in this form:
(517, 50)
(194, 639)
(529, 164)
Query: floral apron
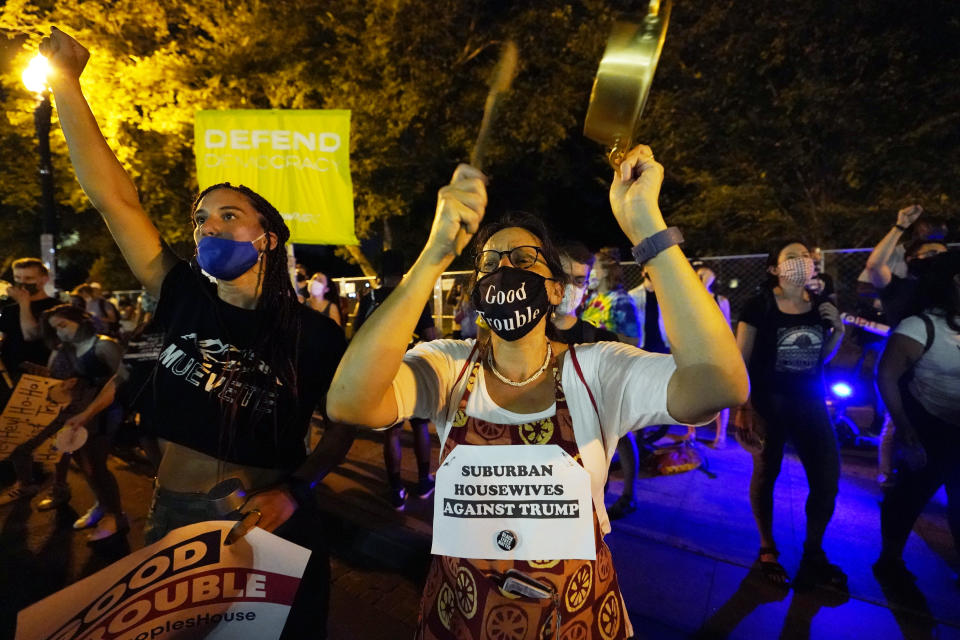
(462, 598)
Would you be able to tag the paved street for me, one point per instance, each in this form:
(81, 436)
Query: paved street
(683, 557)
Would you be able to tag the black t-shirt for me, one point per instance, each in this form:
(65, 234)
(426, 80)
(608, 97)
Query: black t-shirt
(15, 348)
(787, 353)
(652, 340)
(585, 333)
(192, 386)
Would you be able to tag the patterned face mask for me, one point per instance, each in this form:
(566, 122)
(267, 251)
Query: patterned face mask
(572, 297)
(796, 271)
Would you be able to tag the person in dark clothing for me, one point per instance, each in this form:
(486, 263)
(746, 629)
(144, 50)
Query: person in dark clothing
(391, 273)
(919, 375)
(785, 335)
(20, 319)
(244, 363)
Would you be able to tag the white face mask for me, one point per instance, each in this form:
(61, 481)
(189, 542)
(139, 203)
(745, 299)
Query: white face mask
(317, 289)
(572, 297)
(796, 271)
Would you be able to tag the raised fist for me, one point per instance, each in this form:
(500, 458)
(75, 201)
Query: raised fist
(908, 215)
(66, 55)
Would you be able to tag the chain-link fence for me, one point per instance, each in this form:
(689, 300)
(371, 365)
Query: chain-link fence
(739, 277)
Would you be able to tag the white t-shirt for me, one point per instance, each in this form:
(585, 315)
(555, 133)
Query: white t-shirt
(629, 386)
(936, 376)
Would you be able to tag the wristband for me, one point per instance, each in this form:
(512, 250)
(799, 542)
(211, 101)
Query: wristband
(655, 244)
(300, 490)
(897, 226)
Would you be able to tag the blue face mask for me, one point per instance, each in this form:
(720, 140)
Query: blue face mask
(226, 259)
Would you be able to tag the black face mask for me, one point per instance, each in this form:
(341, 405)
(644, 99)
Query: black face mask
(511, 301)
(29, 287)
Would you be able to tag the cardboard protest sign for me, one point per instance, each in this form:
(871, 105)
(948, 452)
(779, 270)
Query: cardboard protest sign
(30, 414)
(187, 585)
(513, 502)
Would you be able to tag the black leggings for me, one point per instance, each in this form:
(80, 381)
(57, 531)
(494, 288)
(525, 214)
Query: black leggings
(803, 421)
(904, 502)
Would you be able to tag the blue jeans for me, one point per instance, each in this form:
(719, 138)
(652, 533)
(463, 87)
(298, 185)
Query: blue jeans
(308, 615)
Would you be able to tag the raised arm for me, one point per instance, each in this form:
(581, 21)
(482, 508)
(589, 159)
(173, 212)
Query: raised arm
(877, 268)
(710, 373)
(362, 389)
(99, 172)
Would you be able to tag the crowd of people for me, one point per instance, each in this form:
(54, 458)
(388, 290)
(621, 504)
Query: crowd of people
(231, 357)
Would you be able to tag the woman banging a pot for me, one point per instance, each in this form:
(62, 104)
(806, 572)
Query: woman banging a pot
(537, 563)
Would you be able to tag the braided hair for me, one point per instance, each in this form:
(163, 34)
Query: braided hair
(278, 338)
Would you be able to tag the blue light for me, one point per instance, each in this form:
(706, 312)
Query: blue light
(842, 390)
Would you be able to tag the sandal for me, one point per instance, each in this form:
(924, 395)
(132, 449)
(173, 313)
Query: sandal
(772, 570)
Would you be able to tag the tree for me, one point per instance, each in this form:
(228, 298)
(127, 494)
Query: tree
(771, 118)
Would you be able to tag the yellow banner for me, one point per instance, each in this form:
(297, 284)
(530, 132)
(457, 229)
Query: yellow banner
(298, 160)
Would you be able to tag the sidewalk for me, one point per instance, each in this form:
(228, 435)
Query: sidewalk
(683, 557)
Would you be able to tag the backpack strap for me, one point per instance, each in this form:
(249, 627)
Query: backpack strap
(928, 323)
(576, 367)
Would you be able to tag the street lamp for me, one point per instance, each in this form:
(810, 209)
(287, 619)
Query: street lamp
(35, 79)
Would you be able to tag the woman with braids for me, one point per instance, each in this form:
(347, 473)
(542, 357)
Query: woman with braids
(520, 386)
(243, 363)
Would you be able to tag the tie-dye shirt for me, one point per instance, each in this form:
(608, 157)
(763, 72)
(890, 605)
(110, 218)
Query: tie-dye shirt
(613, 310)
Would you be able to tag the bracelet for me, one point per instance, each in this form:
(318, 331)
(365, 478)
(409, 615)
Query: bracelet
(653, 245)
(300, 490)
(897, 226)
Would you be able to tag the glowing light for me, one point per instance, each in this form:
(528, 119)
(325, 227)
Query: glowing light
(35, 75)
(842, 390)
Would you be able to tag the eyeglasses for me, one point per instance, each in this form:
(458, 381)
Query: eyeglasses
(522, 257)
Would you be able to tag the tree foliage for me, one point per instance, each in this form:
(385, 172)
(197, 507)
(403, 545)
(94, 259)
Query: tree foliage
(772, 118)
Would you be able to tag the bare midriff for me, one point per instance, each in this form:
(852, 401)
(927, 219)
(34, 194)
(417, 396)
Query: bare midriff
(187, 470)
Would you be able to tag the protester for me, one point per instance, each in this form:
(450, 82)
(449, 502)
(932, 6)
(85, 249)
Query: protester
(610, 306)
(571, 328)
(651, 334)
(898, 293)
(786, 334)
(94, 360)
(465, 315)
(318, 289)
(708, 277)
(924, 349)
(102, 309)
(510, 390)
(821, 284)
(244, 365)
(20, 321)
(391, 273)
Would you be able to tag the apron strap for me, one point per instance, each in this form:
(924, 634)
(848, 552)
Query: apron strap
(576, 366)
(453, 388)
